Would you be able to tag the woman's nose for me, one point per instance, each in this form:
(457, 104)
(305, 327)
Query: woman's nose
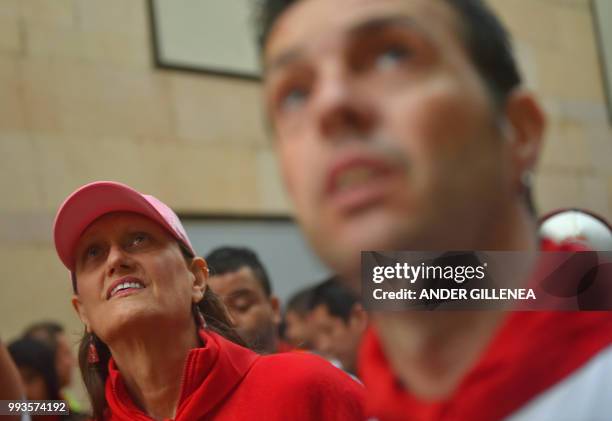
(117, 261)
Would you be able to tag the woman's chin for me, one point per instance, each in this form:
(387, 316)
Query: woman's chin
(127, 319)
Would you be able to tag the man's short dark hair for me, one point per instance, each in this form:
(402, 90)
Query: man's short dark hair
(300, 302)
(338, 300)
(485, 37)
(38, 357)
(231, 259)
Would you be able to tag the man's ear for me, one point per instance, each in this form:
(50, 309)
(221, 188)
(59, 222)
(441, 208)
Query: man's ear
(527, 125)
(78, 307)
(199, 269)
(359, 317)
(275, 304)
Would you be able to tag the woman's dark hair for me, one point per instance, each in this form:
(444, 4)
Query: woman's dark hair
(38, 357)
(95, 375)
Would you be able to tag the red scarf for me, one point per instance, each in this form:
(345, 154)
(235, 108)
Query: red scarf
(531, 352)
(224, 381)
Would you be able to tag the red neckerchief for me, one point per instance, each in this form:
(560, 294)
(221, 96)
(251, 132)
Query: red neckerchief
(530, 352)
(211, 373)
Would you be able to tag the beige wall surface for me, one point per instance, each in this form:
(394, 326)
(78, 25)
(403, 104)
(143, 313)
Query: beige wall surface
(80, 100)
(557, 46)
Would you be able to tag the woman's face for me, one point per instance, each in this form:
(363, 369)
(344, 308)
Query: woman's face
(131, 275)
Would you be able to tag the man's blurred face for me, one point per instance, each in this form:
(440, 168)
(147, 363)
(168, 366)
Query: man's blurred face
(64, 359)
(386, 134)
(256, 315)
(333, 337)
(297, 330)
(34, 383)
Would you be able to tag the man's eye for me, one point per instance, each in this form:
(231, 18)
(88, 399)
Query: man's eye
(242, 309)
(241, 306)
(293, 99)
(391, 57)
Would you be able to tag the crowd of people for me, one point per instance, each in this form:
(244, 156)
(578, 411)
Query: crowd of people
(330, 322)
(399, 125)
(44, 358)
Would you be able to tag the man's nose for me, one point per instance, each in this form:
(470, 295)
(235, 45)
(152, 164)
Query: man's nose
(342, 111)
(324, 346)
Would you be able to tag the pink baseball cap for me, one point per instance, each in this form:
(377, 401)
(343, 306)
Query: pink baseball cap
(96, 199)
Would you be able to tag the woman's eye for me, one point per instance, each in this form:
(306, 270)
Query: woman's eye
(92, 251)
(139, 239)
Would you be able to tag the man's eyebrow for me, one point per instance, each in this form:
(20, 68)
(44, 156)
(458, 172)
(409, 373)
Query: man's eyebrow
(242, 292)
(383, 22)
(293, 55)
(284, 59)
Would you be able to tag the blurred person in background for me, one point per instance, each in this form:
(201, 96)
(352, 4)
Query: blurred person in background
(36, 363)
(158, 343)
(54, 335)
(11, 386)
(296, 329)
(577, 226)
(405, 125)
(239, 278)
(338, 323)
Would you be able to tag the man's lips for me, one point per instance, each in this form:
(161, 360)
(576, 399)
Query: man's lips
(124, 285)
(355, 180)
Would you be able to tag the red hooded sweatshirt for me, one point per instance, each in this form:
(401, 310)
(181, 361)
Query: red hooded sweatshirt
(532, 353)
(224, 381)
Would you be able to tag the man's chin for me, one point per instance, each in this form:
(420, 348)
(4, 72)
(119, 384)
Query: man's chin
(340, 247)
(262, 341)
(343, 256)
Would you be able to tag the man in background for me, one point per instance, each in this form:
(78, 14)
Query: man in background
(296, 329)
(404, 125)
(338, 323)
(53, 335)
(11, 386)
(241, 281)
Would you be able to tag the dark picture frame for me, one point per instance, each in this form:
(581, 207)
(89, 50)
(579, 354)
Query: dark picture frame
(602, 14)
(165, 58)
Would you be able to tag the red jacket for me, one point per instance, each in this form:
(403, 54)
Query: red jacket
(224, 381)
(530, 353)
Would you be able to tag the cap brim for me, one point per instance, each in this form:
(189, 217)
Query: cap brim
(89, 203)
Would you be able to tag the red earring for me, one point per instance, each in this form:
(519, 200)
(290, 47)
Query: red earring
(92, 352)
